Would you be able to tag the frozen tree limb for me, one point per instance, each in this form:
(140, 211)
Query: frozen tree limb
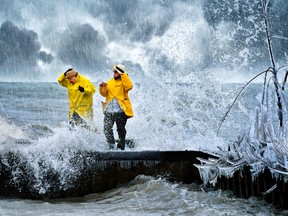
(238, 95)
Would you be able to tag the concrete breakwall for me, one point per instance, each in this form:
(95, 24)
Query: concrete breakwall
(102, 171)
(265, 186)
(92, 172)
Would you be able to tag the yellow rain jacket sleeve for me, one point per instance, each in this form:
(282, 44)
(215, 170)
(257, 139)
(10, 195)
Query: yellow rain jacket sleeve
(119, 89)
(81, 103)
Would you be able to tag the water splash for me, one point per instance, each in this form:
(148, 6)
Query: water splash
(263, 146)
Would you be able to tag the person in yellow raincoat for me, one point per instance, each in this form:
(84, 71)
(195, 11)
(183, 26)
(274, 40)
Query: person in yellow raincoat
(117, 107)
(80, 94)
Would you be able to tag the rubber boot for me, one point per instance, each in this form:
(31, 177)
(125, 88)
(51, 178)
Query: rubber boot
(121, 144)
(111, 146)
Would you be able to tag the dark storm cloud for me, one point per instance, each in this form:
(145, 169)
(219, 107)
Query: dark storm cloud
(136, 20)
(20, 45)
(45, 57)
(82, 45)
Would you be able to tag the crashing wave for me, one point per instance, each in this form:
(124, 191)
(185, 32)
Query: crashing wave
(263, 146)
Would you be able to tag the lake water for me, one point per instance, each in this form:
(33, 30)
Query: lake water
(34, 122)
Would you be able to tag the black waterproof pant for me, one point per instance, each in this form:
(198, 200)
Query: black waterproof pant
(121, 120)
(76, 120)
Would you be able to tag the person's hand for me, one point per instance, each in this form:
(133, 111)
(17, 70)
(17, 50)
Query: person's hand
(103, 84)
(81, 89)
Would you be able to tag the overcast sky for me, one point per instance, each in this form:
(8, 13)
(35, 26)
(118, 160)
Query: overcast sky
(40, 38)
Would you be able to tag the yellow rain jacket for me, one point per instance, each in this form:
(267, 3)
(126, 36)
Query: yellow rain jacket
(80, 103)
(119, 89)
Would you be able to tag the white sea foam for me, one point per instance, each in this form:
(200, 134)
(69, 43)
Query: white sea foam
(9, 131)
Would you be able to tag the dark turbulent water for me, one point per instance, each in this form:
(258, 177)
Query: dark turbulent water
(143, 196)
(184, 58)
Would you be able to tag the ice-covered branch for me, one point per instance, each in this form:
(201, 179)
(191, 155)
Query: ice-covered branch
(265, 144)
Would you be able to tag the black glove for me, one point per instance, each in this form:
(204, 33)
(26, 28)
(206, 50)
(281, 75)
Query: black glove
(81, 89)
